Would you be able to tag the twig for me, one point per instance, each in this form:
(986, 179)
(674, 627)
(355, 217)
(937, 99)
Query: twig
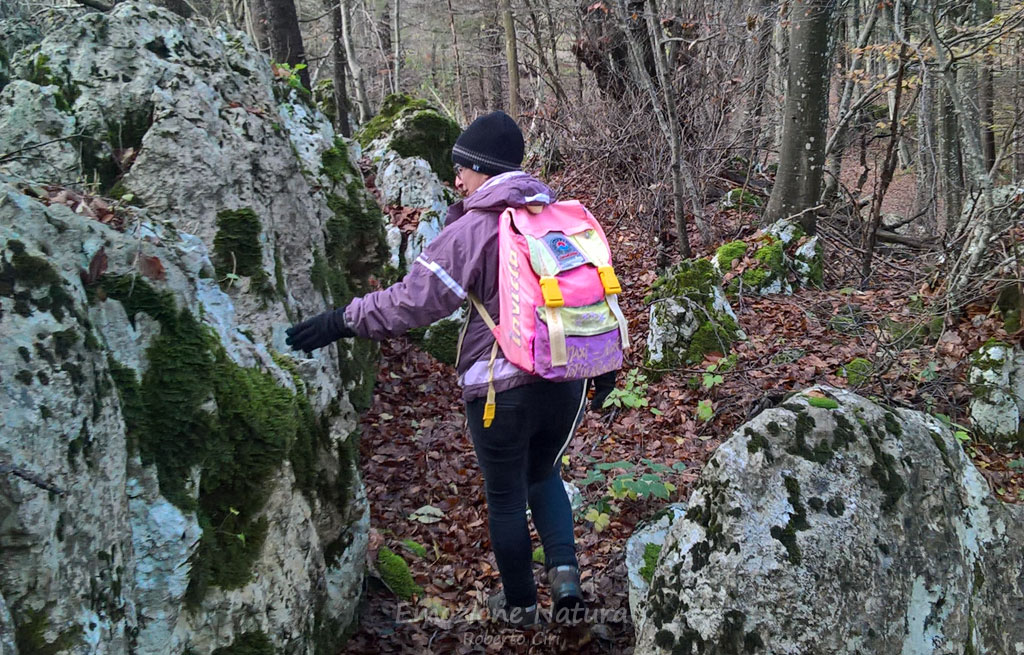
(95, 4)
(31, 478)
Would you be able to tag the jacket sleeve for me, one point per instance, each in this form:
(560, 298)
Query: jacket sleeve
(435, 286)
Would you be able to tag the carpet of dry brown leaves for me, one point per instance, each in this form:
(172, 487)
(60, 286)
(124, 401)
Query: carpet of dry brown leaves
(415, 450)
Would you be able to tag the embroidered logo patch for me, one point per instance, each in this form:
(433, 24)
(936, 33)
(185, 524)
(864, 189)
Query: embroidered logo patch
(566, 255)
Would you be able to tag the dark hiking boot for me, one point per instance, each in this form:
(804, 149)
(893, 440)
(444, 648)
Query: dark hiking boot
(567, 604)
(514, 617)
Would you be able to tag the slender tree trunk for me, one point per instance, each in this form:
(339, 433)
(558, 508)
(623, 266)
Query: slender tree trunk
(396, 43)
(754, 127)
(341, 104)
(888, 168)
(780, 80)
(496, 77)
(665, 114)
(838, 139)
(1018, 107)
(511, 57)
(354, 68)
(460, 84)
(986, 98)
(278, 24)
(551, 77)
(949, 163)
(798, 183)
(925, 205)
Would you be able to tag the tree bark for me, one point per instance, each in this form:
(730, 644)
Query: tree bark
(511, 57)
(927, 170)
(663, 105)
(396, 43)
(277, 23)
(460, 83)
(838, 138)
(354, 68)
(801, 159)
(341, 103)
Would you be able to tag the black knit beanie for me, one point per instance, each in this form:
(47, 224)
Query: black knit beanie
(492, 144)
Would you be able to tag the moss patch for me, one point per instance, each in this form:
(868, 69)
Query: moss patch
(651, 554)
(248, 643)
(30, 635)
(236, 246)
(424, 132)
(194, 407)
(395, 573)
(730, 252)
(22, 276)
(696, 281)
(857, 371)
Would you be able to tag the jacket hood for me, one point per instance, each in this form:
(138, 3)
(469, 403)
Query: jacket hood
(514, 189)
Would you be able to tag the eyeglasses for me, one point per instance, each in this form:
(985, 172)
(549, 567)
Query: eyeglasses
(458, 170)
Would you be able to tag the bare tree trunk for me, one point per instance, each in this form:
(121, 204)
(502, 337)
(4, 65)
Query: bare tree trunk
(1018, 107)
(496, 77)
(949, 163)
(753, 122)
(396, 43)
(986, 98)
(665, 114)
(460, 84)
(278, 23)
(511, 58)
(341, 104)
(780, 79)
(551, 78)
(888, 168)
(354, 68)
(925, 205)
(838, 139)
(801, 159)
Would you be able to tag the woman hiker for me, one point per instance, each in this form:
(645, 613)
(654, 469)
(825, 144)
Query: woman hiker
(520, 453)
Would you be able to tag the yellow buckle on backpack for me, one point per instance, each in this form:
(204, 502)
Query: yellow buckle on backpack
(489, 414)
(552, 294)
(609, 280)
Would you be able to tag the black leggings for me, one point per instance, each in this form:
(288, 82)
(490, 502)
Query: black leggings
(520, 456)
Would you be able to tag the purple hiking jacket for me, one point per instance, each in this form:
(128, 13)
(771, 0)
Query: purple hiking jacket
(462, 259)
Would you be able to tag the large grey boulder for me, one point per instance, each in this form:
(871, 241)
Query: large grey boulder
(642, 551)
(209, 492)
(833, 524)
(996, 379)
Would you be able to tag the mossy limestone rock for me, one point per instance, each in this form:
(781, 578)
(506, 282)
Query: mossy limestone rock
(781, 257)
(200, 487)
(690, 317)
(847, 528)
(652, 531)
(410, 127)
(163, 403)
(996, 379)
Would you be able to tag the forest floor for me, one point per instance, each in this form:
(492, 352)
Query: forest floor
(416, 452)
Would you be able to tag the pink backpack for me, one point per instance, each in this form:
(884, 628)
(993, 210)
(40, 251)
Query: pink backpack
(560, 316)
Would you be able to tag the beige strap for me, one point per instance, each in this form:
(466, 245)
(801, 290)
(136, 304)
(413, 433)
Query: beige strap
(556, 332)
(489, 407)
(491, 325)
(462, 336)
(613, 304)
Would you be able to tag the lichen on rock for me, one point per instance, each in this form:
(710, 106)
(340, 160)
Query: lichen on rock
(808, 507)
(996, 380)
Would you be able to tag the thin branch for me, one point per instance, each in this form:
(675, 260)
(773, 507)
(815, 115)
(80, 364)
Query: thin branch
(31, 478)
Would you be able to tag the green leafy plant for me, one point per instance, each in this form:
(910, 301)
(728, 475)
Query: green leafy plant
(290, 74)
(705, 410)
(633, 393)
(624, 480)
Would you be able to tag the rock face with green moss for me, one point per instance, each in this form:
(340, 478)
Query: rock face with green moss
(832, 524)
(996, 379)
(647, 539)
(211, 498)
(690, 317)
(776, 261)
(411, 127)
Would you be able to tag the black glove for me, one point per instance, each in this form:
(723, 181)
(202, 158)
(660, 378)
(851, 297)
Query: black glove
(603, 385)
(319, 331)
